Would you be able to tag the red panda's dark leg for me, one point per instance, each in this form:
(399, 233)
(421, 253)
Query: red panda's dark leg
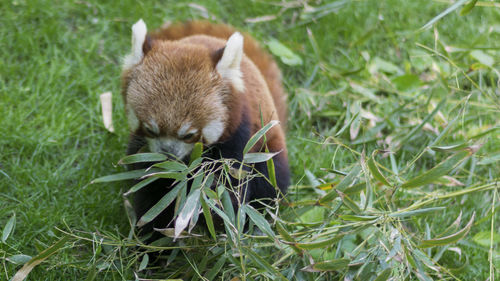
(258, 187)
(148, 196)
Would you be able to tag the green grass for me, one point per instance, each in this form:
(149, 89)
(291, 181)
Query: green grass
(370, 78)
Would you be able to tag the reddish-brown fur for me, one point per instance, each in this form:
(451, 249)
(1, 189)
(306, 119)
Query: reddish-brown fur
(264, 62)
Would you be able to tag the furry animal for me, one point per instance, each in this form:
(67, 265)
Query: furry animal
(199, 81)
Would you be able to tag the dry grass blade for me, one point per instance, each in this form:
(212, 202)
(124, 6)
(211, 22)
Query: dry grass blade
(28, 267)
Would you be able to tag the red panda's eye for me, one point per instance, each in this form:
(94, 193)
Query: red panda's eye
(150, 132)
(188, 136)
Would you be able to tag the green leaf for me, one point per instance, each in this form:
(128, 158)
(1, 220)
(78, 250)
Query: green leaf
(258, 157)
(358, 218)
(208, 217)
(436, 172)
(144, 262)
(443, 14)
(349, 203)
(28, 267)
(450, 238)
(319, 244)
(448, 148)
(257, 136)
(407, 82)
(171, 166)
(134, 174)
(139, 185)
(380, 65)
(287, 237)
(216, 268)
(272, 172)
(331, 265)
(483, 57)
(9, 227)
(415, 212)
(190, 207)
(142, 157)
(19, 259)
(220, 213)
(227, 204)
(286, 55)
(490, 159)
(426, 119)
(347, 125)
(384, 275)
(168, 175)
(259, 220)
(196, 153)
(374, 170)
(468, 7)
(264, 264)
(483, 238)
(161, 205)
(344, 184)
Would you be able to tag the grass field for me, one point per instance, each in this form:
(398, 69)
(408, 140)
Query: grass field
(403, 120)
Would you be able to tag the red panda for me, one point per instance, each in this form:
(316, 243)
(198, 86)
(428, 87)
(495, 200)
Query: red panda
(202, 82)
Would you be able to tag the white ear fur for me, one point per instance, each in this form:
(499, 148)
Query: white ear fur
(139, 31)
(229, 65)
(213, 131)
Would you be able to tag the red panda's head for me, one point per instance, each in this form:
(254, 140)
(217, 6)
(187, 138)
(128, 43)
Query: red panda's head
(177, 93)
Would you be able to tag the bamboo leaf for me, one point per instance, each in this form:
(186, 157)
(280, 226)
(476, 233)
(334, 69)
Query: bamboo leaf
(484, 238)
(257, 136)
(450, 238)
(384, 275)
(286, 55)
(139, 185)
(9, 227)
(468, 7)
(258, 157)
(444, 13)
(287, 237)
(349, 203)
(208, 217)
(374, 170)
(144, 262)
(264, 264)
(161, 205)
(171, 166)
(344, 184)
(319, 244)
(190, 207)
(447, 148)
(167, 175)
(216, 268)
(227, 204)
(436, 172)
(330, 265)
(220, 213)
(134, 174)
(142, 157)
(196, 153)
(416, 212)
(358, 218)
(272, 172)
(28, 267)
(19, 259)
(259, 220)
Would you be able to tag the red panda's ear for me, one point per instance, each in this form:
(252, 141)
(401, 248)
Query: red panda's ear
(228, 66)
(148, 44)
(139, 32)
